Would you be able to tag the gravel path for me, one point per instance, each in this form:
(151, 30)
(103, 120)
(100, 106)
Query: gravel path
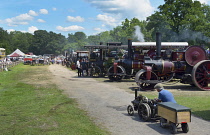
(106, 105)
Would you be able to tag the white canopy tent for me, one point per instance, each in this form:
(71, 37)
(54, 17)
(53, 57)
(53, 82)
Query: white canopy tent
(19, 52)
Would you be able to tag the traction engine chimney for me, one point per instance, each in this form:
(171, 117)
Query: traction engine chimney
(129, 48)
(101, 52)
(158, 45)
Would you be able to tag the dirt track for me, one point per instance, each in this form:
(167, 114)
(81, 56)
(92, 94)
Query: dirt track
(106, 104)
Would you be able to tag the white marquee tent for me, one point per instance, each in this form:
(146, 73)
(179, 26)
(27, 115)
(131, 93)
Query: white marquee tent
(17, 52)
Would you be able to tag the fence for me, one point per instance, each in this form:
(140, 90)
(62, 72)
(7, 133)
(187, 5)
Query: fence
(4, 66)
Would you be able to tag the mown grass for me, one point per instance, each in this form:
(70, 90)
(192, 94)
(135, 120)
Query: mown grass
(30, 109)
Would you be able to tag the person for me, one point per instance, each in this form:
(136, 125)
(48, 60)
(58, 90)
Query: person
(87, 65)
(83, 67)
(164, 95)
(79, 68)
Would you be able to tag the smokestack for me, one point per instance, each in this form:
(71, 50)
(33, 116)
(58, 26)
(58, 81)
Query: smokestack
(158, 45)
(129, 48)
(101, 52)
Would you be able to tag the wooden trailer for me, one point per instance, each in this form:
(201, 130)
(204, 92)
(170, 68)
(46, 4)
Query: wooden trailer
(173, 114)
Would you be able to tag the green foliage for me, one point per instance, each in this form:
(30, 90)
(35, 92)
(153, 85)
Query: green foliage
(121, 33)
(4, 39)
(21, 40)
(181, 20)
(76, 41)
(48, 43)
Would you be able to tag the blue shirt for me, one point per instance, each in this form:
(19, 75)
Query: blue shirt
(166, 96)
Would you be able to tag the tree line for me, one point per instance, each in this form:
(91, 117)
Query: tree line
(177, 20)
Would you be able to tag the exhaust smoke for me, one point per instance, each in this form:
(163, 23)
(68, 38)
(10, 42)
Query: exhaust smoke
(138, 34)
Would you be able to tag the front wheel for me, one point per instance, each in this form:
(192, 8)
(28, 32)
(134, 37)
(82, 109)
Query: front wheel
(120, 73)
(130, 110)
(141, 77)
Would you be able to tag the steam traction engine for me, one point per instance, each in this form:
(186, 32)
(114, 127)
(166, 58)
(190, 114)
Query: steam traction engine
(138, 53)
(102, 56)
(126, 67)
(188, 64)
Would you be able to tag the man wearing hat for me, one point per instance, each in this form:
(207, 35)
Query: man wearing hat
(164, 95)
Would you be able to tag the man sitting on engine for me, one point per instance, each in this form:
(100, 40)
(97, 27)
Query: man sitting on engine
(164, 95)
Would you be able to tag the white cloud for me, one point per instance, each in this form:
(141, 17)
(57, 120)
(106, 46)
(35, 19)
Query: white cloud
(75, 19)
(99, 30)
(70, 28)
(125, 8)
(10, 30)
(32, 29)
(203, 1)
(32, 13)
(23, 17)
(43, 11)
(108, 20)
(41, 21)
(19, 20)
(54, 9)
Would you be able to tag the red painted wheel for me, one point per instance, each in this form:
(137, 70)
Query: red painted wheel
(195, 54)
(201, 75)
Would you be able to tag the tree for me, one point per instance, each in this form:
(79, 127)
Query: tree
(77, 40)
(5, 40)
(178, 20)
(48, 43)
(21, 40)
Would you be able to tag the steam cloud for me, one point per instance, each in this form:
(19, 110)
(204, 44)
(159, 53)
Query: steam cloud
(138, 34)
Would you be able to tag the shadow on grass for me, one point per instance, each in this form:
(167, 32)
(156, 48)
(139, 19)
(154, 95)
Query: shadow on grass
(202, 114)
(182, 87)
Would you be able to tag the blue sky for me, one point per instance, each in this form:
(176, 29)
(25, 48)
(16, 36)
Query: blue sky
(70, 16)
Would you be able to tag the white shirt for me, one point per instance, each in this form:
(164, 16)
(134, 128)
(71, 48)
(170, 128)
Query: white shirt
(78, 64)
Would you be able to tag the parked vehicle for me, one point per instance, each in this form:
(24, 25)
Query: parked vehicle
(28, 59)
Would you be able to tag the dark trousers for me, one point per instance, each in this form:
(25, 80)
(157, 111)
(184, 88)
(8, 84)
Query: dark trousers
(79, 71)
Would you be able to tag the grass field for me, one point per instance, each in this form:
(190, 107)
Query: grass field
(28, 108)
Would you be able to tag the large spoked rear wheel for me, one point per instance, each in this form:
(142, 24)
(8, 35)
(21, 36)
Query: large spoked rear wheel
(201, 75)
(144, 112)
(140, 79)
